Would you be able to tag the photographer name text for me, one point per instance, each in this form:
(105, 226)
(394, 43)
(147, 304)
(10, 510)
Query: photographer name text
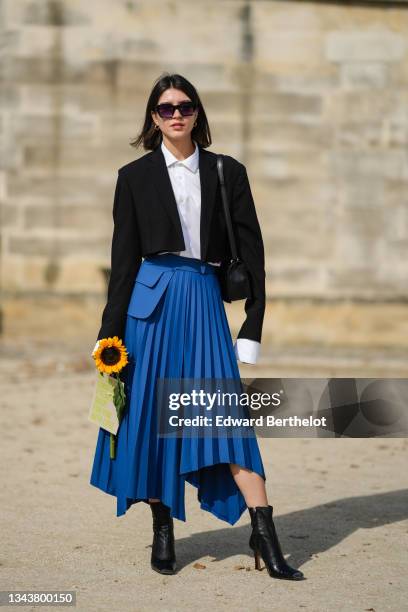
(229, 421)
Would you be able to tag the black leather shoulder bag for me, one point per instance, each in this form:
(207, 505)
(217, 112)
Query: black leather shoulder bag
(233, 275)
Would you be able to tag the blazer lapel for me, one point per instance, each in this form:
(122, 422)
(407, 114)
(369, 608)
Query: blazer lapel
(208, 181)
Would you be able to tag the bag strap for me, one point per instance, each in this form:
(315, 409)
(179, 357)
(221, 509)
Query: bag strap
(226, 207)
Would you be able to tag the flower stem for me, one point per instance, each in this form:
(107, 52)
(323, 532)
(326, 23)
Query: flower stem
(112, 446)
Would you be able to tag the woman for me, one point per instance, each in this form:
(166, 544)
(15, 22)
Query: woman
(169, 311)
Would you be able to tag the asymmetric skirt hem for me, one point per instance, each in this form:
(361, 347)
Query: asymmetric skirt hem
(121, 511)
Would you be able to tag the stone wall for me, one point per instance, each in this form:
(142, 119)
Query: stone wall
(312, 97)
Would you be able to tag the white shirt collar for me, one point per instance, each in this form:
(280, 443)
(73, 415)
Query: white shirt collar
(190, 162)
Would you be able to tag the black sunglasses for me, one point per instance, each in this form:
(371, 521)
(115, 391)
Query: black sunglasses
(166, 110)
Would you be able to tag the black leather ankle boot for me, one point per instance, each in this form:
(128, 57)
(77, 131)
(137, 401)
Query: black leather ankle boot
(163, 559)
(264, 542)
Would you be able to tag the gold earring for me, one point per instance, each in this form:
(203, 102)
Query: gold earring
(195, 124)
(156, 127)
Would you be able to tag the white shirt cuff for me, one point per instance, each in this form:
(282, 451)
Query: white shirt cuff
(95, 347)
(247, 351)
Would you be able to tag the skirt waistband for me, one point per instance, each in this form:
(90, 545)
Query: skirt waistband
(180, 262)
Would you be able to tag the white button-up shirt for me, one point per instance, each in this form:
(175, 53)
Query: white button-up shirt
(185, 180)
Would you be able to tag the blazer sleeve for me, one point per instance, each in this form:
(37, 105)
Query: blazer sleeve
(251, 250)
(125, 261)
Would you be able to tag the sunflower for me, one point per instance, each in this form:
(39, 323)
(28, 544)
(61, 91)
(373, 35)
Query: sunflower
(111, 355)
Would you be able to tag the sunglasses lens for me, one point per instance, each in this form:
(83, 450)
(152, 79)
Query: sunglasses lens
(165, 111)
(187, 109)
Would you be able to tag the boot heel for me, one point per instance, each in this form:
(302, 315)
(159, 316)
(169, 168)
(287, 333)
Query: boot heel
(257, 560)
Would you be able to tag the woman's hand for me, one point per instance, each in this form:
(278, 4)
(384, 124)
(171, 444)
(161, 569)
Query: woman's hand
(95, 348)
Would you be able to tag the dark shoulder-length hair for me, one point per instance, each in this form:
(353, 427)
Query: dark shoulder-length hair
(151, 138)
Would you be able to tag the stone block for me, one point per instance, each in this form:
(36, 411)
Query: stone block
(391, 164)
(292, 134)
(51, 245)
(74, 217)
(379, 44)
(365, 106)
(80, 276)
(277, 104)
(10, 215)
(363, 75)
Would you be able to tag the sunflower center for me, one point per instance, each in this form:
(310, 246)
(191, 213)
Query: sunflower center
(110, 355)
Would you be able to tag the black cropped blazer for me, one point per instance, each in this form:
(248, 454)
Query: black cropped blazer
(146, 221)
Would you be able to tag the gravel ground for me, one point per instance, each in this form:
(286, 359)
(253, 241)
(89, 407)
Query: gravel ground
(340, 505)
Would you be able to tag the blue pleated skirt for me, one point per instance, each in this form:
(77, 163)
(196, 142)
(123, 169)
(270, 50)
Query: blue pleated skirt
(176, 327)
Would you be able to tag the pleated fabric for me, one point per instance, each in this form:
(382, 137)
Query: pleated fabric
(186, 336)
